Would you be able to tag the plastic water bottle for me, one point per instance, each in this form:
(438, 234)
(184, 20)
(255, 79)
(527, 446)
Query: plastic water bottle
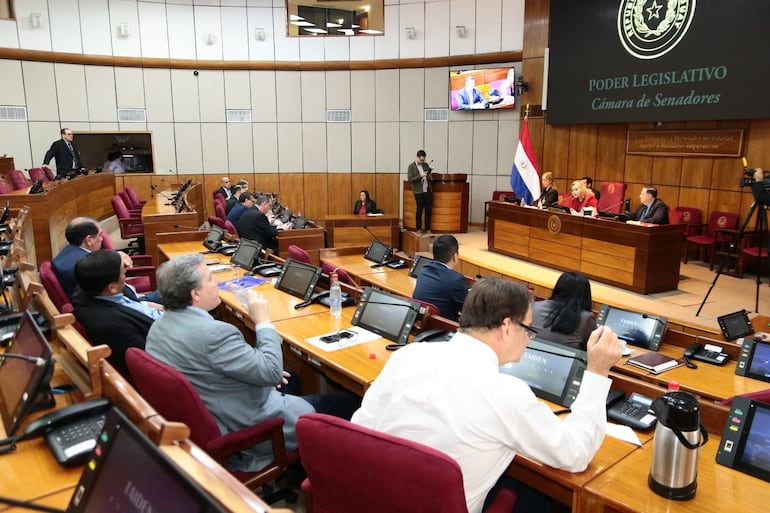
(335, 297)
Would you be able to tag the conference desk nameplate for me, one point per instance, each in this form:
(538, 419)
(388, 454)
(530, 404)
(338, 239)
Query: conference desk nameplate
(644, 259)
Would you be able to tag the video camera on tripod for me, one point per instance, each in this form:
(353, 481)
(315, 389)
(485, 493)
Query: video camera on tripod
(747, 178)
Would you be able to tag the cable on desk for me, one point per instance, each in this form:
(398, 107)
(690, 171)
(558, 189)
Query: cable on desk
(29, 505)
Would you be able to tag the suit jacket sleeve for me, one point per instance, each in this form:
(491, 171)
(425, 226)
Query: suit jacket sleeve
(658, 213)
(261, 365)
(50, 153)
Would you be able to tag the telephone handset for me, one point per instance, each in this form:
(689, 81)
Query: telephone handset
(268, 269)
(434, 335)
(71, 432)
(709, 354)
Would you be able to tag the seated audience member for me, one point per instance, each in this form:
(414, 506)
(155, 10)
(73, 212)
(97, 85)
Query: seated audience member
(452, 397)
(236, 381)
(652, 210)
(84, 235)
(364, 205)
(245, 201)
(566, 318)
(469, 97)
(589, 183)
(233, 200)
(549, 196)
(115, 162)
(438, 282)
(583, 199)
(107, 314)
(254, 224)
(225, 189)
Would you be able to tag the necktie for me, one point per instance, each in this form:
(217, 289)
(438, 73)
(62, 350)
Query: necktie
(646, 211)
(72, 152)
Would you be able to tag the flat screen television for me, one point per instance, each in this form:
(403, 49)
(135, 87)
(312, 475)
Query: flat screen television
(482, 89)
(390, 316)
(25, 371)
(635, 328)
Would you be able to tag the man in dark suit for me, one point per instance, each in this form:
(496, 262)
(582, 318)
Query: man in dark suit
(233, 200)
(65, 152)
(652, 210)
(107, 314)
(225, 190)
(438, 283)
(470, 97)
(255, 225)
(84, 236)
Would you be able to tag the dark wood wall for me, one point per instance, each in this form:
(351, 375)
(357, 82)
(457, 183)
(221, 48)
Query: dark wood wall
(598, 150)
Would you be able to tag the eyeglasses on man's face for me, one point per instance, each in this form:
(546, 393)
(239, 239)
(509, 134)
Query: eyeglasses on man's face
(531, 332)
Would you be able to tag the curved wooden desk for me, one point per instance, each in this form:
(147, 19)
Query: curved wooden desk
(64, 200)
(450, 204)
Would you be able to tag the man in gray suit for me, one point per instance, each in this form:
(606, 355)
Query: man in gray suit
(235, 380)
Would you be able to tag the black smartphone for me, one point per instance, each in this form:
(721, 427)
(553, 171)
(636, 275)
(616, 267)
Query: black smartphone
(335, 337)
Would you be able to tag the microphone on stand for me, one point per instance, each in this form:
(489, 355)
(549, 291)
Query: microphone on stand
(160, 193)
(33, 359)
(379, 264)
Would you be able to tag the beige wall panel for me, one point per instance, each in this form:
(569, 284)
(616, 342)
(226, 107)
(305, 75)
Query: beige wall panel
(40, 87)
(100, 87)
(437, 41)
(362, 95)
(189, 152)
(363, 143)
(130, 88)
(386, 151)
(41, 136)
(157, 87)
(412, 87)
(481, 189)
(237, 90)
(265, 147)
(460, 147)
(71, 91)
(314, 147)
(411, 140)
(436, 145)
(437, 88)
(290, 147)
(338, 89)
(386, 95)
(184, 94)
(263, 96)
(164, 146)
(13, 83)
(339, 147)
(312, 96)
(15, 143)
(240, 150)
(484, 148)
(488, 16)
(214, 144)
(507, 140)
(211, 89)
(288, 94)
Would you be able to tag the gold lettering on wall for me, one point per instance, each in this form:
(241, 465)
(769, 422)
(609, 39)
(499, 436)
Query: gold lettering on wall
(686, 143)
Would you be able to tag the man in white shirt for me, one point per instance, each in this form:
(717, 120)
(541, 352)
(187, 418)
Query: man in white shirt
(453, 398)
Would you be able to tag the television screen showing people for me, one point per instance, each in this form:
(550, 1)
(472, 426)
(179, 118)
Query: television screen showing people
(482, 89)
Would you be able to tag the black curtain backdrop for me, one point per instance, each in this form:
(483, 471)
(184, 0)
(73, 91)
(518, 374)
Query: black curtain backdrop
(717, 67)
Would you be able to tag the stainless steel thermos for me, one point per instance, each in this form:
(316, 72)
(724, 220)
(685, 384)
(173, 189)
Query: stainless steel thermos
(678, 437)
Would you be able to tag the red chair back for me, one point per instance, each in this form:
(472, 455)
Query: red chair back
(675, 217)
(502, 195)
(230, 227)
(565, 199)
(216, 221)
(719, 220)
(120, 208)
(18, 179)
(52, 286)
(369, 465)
(136, 202)
(690, 215)
(612, 196)
(297, 253)
(342, 274)
(36, 173)
(219, 210)
(49, 173)
(5, 187)
(172, 395)
(126, 200)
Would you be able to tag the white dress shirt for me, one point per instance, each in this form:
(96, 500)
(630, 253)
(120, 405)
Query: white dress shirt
(452, 397)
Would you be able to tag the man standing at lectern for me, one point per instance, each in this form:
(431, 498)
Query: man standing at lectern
(418, 174)
(65, 152)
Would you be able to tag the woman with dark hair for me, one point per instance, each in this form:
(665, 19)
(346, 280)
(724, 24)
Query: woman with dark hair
(364, 205)
(566, 318)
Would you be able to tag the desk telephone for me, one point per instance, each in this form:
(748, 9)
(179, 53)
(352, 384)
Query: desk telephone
(267, 270)
(71, 432)
(708, 353)
(632, 411)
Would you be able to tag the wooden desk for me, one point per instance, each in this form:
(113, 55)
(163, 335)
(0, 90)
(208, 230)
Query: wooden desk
(639, 258)
(52, 210)
(351, 367)
(450, 204)
(355, 230)
(159, 217)
(623, 488)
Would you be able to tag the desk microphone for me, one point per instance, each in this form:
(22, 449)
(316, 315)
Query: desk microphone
(388, 260)
(645, 316)
(160, 193)
(33, 359)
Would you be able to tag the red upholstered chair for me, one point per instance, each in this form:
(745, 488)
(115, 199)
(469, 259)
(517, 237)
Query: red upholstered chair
(17, 178)
(612, 196)
(691, 218)
(565, 199)
(219, 210)
(216, 221)
(52, 286)
(141, 275)
(49, 173)
(219, 194)
(5, 187)
(37, 173)
(496, 196)
(136, 212)
(297, 253)
(379, 473)
(761, 395)
(755, 252)
(173, 396)
(342, 274)
(712, 237)
(230, 227)
(130, 225)
(136, 202)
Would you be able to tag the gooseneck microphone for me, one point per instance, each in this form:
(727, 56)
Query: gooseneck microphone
(160, 193)
(379, 264)
(33, 359)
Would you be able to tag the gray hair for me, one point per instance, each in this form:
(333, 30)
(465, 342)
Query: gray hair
(177, 278)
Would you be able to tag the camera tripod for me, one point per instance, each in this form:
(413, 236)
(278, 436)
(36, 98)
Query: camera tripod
(761, 227)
